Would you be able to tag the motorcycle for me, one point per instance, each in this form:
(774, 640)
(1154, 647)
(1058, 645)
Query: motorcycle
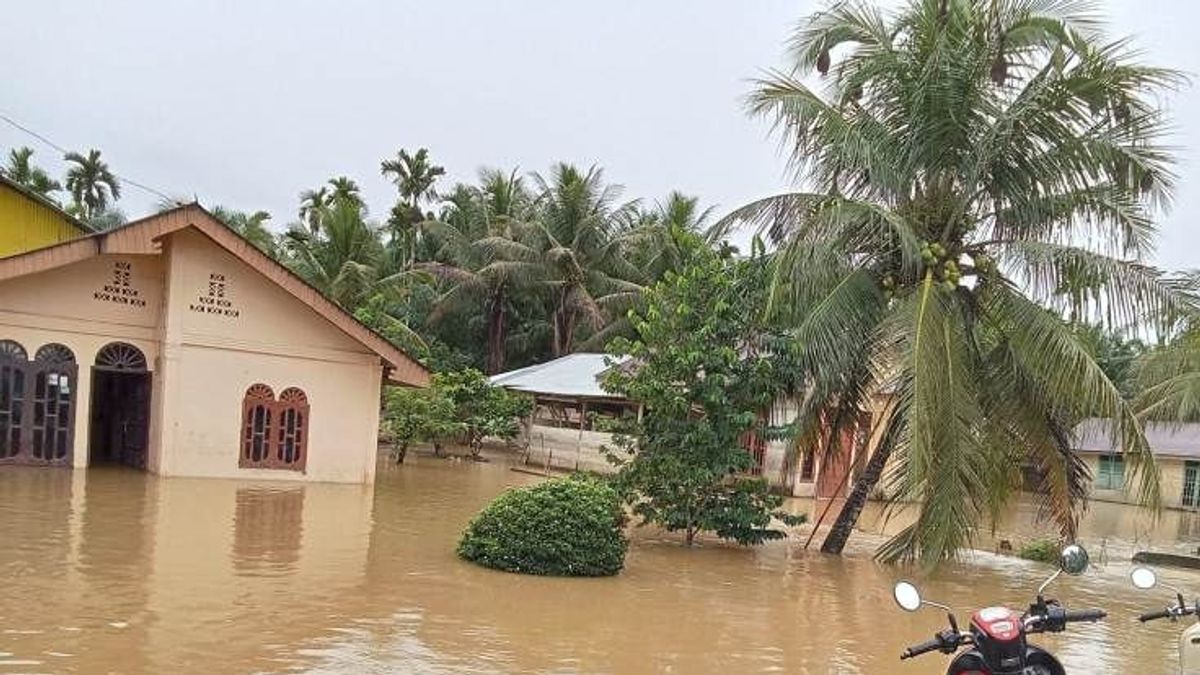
(996, 643)
(1189, 640)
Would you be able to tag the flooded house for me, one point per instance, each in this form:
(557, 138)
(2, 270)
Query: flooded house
(173, 345)
(1176, 449)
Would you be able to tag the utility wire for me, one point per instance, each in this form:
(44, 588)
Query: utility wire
(124, 179)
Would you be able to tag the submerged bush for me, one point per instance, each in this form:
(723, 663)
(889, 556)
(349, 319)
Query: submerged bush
(565, 527)
(1041, 550)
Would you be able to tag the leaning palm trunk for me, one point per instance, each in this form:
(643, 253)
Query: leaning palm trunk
(976, 170)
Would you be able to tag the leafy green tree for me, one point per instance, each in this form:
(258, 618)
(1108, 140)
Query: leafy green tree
(484, 410)
(92, 185)
(22, 170)
(418, 415)
(703, 368)
(969, 164)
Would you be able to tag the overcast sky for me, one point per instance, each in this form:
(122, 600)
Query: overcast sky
(246, 103)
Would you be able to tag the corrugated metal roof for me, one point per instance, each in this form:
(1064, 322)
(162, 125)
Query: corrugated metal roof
(1166, 440)
(574, 375)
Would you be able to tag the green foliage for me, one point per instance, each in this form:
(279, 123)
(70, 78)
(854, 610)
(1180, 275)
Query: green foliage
(483, 410)
(1168, 377)
(977, 170)
(22, 170)
(418, 415)
(458, 404)
(1117, 356)
(1040, 550)
(93, 186)
(563, 527)
(703, 368)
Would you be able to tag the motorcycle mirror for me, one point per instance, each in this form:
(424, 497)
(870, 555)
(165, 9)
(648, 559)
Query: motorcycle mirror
(1143, 578)
(907, 596)
(1073, 560)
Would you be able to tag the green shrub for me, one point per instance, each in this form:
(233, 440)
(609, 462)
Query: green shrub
(564, 527)
(1041, 550)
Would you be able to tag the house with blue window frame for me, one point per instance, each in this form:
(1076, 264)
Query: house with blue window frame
(1176, 449)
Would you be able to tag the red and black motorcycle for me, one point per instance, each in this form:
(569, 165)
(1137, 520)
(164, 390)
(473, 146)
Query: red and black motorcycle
(997, 643)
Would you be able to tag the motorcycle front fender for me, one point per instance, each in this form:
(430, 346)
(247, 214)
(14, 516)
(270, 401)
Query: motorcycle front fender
(1189, 649)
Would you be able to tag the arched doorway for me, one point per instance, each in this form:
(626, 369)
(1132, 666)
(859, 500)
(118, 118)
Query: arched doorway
(120, 410)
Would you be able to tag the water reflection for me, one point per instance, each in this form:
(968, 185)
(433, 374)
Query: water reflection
(115, 571)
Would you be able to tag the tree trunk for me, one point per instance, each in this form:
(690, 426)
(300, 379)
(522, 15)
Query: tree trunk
(437, 449)
(496, 335)
(835, 541)
(401, 452)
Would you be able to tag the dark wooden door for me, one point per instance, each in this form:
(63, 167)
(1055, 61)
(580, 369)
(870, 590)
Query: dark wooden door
(121, 417)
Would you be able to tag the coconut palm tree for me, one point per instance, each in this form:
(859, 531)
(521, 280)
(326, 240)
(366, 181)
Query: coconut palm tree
(345, 189)
(311, 202)
(471, 238)
(252, 226)
(22, 170)
(91, 184)
(343, 258)
(966, 163)
(574, 237)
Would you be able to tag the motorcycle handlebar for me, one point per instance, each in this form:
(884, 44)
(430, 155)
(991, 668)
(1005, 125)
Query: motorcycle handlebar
(1085, 615)
(921, 648)
(1151, 616)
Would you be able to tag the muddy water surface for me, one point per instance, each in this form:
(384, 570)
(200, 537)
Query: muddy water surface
(117, 571)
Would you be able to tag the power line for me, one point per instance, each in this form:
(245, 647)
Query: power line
(124, 179)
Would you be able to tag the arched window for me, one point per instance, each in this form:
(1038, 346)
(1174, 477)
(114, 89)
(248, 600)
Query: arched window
(14, 361)
(274, 432)
(291, 447)
(120, 356)
(53, 403)
(257, 408)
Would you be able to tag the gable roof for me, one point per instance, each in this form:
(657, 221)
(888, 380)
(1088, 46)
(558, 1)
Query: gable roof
(1166, 439)
(46, 203)
(142, 237)
(574, 375)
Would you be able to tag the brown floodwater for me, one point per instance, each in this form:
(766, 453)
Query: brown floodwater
(116, 571)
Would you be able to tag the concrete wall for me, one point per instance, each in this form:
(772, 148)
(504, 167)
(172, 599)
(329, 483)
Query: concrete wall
(220, 340)
(85, 307)
(1171, 474)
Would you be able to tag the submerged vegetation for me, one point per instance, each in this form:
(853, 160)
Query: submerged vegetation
(703, 368)
(563, 527)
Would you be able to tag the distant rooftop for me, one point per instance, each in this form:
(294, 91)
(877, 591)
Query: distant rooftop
(572, 376)
(1166, 440)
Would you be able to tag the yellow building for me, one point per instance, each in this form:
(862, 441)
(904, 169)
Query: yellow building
(174, 345)
(1176, 449)
(29, 221)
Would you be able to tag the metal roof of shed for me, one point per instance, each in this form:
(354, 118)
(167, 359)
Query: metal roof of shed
(1166, 439)
(573, 376)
